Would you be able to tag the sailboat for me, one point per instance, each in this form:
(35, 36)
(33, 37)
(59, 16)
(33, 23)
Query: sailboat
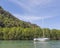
(43, 38)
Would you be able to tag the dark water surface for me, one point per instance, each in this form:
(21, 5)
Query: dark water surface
(29, 44)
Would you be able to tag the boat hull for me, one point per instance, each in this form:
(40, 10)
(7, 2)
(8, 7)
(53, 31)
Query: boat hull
(41, 39)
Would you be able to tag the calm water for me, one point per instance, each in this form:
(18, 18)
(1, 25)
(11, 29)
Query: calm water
(29, 44)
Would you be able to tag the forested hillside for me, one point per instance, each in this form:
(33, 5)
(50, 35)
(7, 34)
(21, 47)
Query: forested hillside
(8, 20)
(12, 28)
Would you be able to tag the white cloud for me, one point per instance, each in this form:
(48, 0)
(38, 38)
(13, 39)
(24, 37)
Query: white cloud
(32, 18)
(30, 5)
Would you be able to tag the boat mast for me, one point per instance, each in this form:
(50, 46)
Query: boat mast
(42, 25)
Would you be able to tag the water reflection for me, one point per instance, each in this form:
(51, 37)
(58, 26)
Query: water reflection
(29, 44)
(41, 45)
(16, 44)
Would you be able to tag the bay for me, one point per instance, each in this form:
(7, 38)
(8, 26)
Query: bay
(29, 44)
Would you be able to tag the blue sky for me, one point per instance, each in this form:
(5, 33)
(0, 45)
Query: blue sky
(45, 13)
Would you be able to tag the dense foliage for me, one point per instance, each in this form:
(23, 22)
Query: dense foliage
(12, 28)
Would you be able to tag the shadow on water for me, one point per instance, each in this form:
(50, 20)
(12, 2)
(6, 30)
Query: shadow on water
(16, 44)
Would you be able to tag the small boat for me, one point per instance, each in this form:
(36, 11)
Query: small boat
(41, 39)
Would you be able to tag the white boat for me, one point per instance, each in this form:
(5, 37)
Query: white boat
(43, 38)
